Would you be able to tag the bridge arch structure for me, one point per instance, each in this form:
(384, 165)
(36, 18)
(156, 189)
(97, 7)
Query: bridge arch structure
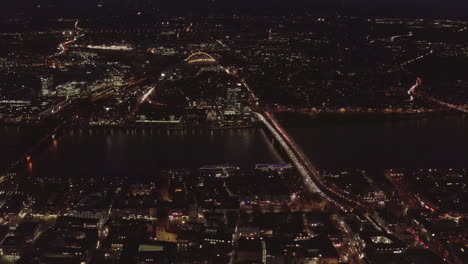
(200, 57)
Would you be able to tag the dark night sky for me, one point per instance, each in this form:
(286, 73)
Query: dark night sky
(416, 8)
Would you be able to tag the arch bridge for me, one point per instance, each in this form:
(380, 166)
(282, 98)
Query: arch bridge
(200, 57)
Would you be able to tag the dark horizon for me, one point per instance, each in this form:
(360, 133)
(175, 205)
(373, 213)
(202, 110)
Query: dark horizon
(367, 8)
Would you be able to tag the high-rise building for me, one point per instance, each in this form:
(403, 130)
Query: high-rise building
(47, 83)
(233, 101)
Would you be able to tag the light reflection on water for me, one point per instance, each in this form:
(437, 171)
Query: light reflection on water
(142, 153)
(343, 143)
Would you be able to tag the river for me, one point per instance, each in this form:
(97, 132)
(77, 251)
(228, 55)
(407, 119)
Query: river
(382, 142)
(332, 142)
(142, 153)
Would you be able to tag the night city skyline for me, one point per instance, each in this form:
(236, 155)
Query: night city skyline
(240, 132)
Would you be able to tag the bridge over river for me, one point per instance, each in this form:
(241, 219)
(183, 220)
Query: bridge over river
(309, 173)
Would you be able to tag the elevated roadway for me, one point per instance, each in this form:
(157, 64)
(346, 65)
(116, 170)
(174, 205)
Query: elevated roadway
(310, 175)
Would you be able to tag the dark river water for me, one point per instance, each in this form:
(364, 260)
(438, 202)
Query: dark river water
(143, 153)
(372, 143)
(15, 141)
(383, 142)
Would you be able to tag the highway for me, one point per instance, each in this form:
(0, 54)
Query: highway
(394, 38)
(310, 175)
(63, 47)
(417, 58)
(412, 92)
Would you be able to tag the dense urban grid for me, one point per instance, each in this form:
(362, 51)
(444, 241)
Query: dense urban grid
(150, 74)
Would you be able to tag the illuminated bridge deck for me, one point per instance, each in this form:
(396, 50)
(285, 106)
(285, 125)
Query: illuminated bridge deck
(310, 175)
